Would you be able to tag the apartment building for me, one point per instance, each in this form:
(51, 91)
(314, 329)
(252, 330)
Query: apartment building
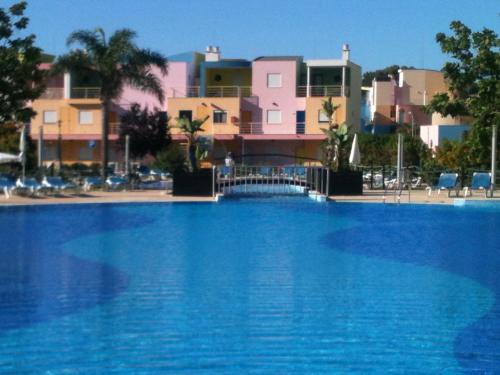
(267, 110)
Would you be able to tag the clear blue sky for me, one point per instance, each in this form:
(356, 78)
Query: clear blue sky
(380, 32)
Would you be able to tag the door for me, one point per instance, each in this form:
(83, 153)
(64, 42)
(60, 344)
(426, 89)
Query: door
(301, 122)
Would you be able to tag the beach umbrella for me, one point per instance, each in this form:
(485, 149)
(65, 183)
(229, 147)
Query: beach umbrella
(355, 157)
(22, 150)
(8, 158)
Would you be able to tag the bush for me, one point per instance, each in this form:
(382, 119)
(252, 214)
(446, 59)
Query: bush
(171, 159)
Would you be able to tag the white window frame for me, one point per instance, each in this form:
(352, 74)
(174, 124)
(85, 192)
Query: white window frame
(88, 122)
(276, 121)
(219, 111)
(47, 112)
(277, 84)
(322, 117)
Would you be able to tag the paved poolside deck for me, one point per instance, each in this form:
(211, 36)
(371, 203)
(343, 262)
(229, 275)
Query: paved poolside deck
(370, 196)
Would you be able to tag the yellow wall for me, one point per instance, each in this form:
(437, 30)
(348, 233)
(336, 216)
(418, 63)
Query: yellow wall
(202, 107)
(230, 77)
(313, 106)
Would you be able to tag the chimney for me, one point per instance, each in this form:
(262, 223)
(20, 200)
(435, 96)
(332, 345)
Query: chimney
(212, 53)
(346, 52)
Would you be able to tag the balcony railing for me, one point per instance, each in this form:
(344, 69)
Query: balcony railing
(256, 128)
(228, 91)
(251, 128)
(114, 128)
(213, 92)
(322, 91)
(53, 93)
(85, 93)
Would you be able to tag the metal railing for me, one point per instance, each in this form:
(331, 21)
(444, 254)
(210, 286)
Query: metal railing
(251, 128)
(257, 128)
(300, 128)
(53, 93)
(114, 128)
(85, 93)
(320, 91)
(288, 180)
(228, 91)
(213, 92)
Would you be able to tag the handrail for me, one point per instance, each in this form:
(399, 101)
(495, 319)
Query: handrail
(212, 92)
(257, 128)
(249, 179)
(85, 92)
(323, 90)
(53, 93)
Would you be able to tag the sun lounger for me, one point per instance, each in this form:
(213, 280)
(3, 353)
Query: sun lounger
(480, 181)
(30, 185)
(57, 184)
(447, 181)
(7, 185)
(116, 182)
(92, 183)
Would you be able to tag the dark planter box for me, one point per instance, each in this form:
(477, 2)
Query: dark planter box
(346, 183)
(197, 184)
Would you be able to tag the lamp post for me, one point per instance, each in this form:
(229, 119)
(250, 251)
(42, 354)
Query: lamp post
(59, 144)
(412, 123)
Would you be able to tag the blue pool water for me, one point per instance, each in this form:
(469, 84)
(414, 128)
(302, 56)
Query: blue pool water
(250, 286)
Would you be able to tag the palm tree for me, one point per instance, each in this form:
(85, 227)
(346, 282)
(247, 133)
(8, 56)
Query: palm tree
(191, 128)
(337, 137)
(114, 62)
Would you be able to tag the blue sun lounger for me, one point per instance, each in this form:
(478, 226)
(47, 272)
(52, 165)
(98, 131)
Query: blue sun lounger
(480, 181)
(116, 182)
(7, 185)
(447, 181)
(31, 185)
(57, 184)
(92, 183)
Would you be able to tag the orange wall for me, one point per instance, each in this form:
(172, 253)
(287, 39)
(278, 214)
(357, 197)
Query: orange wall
(202, 107)
(314, 105)
(68, 114)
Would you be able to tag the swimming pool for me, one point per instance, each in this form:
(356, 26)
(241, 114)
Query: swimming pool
(252, 285)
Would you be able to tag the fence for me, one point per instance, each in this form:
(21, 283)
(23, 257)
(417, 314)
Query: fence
(289, 180)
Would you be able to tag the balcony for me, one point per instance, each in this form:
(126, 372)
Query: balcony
(85, 93)
(114, 128)
(53, 93)
(213, 92)
(322, 91)
(251, 128)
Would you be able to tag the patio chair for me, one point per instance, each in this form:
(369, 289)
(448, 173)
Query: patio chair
(116, 182)
(480, 181)
(7, 185)
(447, 181)
(90, 183)
(57, 184)
(31, 185)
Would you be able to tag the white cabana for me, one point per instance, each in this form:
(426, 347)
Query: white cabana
(355, 156)
(11, 158)
(8, 158)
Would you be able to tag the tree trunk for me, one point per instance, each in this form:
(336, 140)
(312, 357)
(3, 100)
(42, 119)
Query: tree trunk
(192, 157)
(104, 141)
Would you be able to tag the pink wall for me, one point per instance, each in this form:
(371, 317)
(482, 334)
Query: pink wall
(283, 98)
(176, 79)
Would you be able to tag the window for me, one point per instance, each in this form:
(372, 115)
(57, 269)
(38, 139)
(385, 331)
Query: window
(186, 114)
(393, 112)
(274, 80)
(220, 117)
(85, 117)
(273, 116)
(49, 117)
(322, 117)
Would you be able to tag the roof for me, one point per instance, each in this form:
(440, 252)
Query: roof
(278, 58)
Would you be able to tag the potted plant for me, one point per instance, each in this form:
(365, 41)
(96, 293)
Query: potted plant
(196, 181)
(343, 180)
